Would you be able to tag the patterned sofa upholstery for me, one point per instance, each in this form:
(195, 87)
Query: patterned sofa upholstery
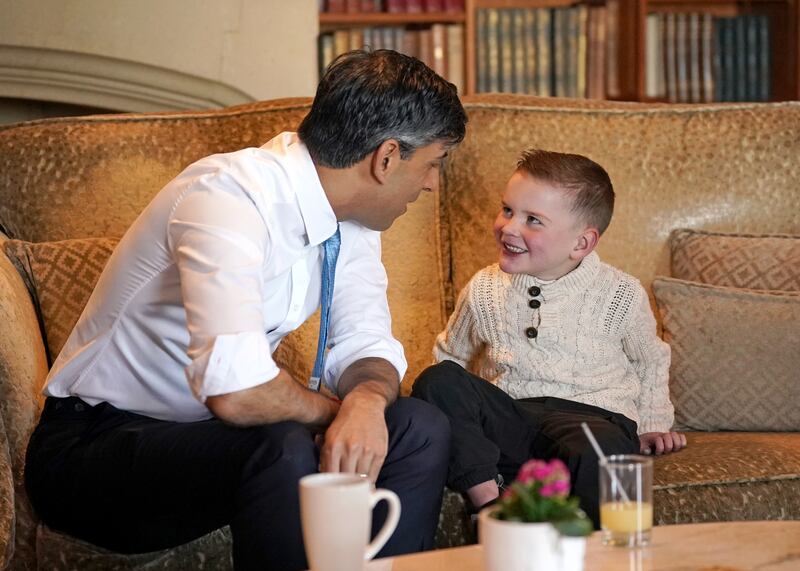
(70, 187)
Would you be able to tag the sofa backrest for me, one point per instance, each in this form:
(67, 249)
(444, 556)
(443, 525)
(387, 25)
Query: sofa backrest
(730, 167)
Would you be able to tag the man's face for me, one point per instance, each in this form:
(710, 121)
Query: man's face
(403, 185)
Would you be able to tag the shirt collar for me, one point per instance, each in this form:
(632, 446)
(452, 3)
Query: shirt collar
(318, 216)
(578, 279)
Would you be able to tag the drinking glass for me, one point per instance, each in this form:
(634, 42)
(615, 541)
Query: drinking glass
(626, 500)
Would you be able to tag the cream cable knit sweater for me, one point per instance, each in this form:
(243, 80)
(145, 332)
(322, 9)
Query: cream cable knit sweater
(596, 340)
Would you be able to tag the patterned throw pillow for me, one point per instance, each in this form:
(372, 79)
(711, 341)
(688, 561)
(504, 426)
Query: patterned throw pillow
(61, 277)
(737, 260)
(735, 356)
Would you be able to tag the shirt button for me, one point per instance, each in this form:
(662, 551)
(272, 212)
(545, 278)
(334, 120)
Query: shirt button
(534, 303)
(534, 291)
(531, 332)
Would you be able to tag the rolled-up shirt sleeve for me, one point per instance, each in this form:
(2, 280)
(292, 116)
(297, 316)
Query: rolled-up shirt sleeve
(219, 242)
(361, 325)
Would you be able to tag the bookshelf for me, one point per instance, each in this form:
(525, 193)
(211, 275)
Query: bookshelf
(632, 45)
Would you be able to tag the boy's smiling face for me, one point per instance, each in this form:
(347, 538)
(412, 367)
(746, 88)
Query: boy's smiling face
(536, 232)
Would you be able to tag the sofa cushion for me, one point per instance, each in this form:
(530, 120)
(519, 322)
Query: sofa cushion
(757, 261)
(59, 552)
(61, 276)
(729, 476)
(735, 355)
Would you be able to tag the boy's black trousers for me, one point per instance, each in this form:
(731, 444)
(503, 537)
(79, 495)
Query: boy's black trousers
(135, 484)
(493, 433)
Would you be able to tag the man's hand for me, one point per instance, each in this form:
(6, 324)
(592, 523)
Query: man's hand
(358, 440)
(659, 443)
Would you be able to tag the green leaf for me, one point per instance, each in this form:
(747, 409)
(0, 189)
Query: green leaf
(578, 526)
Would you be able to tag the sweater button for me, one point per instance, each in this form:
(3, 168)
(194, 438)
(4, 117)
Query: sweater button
(534, 303)
(531, 332)
(534, 291)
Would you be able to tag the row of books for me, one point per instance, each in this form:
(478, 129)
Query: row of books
(560, 52)
(391, 6)
(693, 57)
(440, 46)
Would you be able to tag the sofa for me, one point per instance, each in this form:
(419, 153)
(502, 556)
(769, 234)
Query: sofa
(70, 187)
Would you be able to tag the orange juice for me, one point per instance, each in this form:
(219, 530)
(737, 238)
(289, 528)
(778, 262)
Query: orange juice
(626, 523)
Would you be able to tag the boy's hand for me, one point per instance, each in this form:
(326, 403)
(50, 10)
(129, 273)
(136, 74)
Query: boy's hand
(659, 443)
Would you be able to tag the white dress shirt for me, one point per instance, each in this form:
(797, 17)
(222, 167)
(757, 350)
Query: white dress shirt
(221, 265)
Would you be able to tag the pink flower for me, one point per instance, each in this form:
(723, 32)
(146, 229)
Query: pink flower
(533, 471)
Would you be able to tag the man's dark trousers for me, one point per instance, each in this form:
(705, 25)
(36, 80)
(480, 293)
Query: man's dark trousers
(494, 433)
(134, 484)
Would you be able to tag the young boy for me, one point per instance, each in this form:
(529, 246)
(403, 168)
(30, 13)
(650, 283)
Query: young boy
(562, 337)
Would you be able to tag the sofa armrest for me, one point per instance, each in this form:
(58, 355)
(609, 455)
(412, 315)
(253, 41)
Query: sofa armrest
(23, 369)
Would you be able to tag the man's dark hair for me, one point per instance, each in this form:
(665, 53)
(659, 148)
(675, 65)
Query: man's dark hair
(585, 182)
(368, 97)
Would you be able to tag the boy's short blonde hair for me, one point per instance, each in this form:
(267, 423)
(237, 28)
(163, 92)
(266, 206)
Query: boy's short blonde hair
(585, 182)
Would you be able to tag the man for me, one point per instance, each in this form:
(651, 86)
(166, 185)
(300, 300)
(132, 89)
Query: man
(166, 415)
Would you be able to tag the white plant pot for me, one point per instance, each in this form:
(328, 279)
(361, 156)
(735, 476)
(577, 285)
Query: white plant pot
(513, 546)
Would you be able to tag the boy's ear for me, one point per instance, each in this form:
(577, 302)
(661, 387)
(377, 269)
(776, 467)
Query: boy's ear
(587, 240)
(385, 159)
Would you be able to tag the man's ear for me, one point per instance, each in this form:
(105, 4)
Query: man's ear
(385, 159)
(587, 240)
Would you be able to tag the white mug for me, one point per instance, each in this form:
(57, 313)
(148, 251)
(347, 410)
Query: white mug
(336, 514)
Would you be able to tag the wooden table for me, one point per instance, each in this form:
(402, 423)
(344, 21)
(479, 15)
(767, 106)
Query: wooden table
(730, 546)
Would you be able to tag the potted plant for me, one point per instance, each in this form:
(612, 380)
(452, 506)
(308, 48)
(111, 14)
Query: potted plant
(535, 524)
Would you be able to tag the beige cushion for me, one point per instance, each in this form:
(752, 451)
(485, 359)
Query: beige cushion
(735, 355)
(61, 276)
(757, 261)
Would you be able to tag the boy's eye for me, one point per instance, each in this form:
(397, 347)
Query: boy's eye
(506, 211)
(533, 220)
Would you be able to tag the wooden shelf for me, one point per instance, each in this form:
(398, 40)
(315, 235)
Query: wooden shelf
(385, 19)
(784, 16)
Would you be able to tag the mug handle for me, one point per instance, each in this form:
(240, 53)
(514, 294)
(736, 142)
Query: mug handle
(389, 525)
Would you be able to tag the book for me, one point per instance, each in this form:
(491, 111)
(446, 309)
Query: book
(529, 28)
(356, 39)
(453, 5)
(326, 52)
(595, 88)
(752, 87)
(455, 56)
(612, 48)
(493, 50)
(425, 46)
(582, 52)
(413, 6)
(506, 51)
(764, 47)
(335, 6)
(654, 57)
(341, 41)
(719, 74)
(439, 49)
(544, 41)
(740, 58)
(707, 41)
(682, 56)
(559, 25)
(670, 53)
(693, 55)
(481, 53)
(518, 55)
(395, 6)
(433, 5)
